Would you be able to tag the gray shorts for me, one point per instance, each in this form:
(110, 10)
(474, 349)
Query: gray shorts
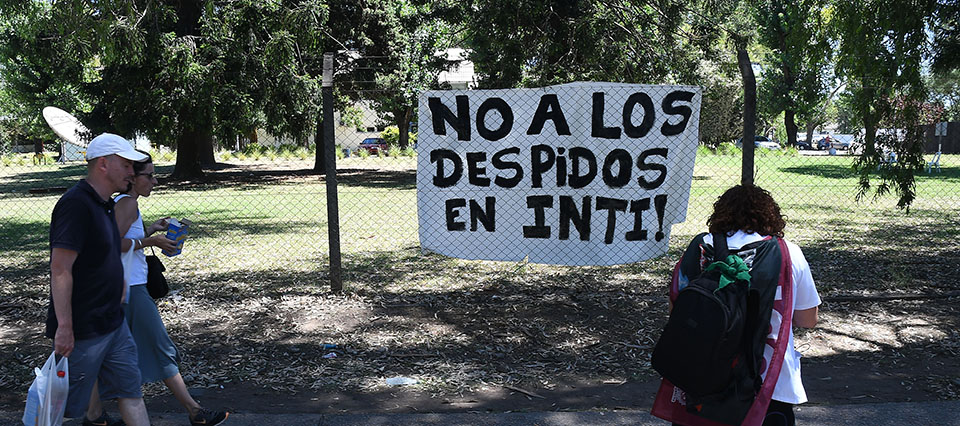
(111, 360)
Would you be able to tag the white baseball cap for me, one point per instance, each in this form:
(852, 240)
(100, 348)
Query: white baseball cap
(109, 144)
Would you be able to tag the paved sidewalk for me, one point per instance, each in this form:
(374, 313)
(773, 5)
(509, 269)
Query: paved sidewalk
(894, 413)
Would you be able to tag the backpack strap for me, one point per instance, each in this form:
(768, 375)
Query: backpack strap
(720, 250)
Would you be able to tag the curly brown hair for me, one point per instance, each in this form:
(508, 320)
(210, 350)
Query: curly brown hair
(749, 208)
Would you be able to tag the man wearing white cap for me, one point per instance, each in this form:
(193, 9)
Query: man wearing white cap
(85, 317)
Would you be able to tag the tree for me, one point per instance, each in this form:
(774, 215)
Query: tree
(946, 30)
(881, 48)
(795, 33)
(180, 72)
(537, 43)
(945, 91)
(35, 71)
(734, 20)
(411, 55)
(542, 42)
(721, 118)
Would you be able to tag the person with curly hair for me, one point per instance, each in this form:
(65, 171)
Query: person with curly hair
(753, 224)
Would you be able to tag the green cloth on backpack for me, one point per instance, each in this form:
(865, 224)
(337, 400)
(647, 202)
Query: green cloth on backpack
(731, 269)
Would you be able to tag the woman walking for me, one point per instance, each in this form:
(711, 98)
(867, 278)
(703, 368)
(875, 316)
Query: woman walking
(158, 356)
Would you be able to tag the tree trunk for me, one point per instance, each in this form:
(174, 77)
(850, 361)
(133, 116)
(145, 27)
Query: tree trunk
(870, 132)
(749, 112)
(188, 155)
(789, 120)
(206, 148)
(320, 162)
(790, 123)
(869, 124)
(403, 124)
(189, 13)
(811, 126)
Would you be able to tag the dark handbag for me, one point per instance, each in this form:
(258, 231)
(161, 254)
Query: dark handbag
(156, 283)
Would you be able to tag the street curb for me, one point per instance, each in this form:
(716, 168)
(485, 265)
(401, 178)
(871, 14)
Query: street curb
(892, 413)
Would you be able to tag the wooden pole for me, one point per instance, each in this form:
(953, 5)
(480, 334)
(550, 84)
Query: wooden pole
(333, 207)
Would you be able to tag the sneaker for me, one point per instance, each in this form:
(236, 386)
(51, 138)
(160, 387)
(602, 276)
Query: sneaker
(103, 420)
(207, 417)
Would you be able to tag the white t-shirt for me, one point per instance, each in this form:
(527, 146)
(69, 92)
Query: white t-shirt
(789, 388)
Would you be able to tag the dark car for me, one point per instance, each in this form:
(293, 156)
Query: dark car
(824, 143)
(803, 145)
(374, 145)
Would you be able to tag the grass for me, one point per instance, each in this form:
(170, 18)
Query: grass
(274, 214)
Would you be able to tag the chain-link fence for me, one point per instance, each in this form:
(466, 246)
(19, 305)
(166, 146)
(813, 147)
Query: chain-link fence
(596, 173)
(251, 286)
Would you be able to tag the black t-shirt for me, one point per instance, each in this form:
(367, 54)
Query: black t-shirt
(86, 224)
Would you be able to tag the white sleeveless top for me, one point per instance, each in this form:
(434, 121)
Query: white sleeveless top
(134, 261)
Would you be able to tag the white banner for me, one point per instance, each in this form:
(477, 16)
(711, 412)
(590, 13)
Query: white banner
(576, 174)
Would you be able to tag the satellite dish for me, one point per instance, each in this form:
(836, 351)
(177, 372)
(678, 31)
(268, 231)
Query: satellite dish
(66, 126)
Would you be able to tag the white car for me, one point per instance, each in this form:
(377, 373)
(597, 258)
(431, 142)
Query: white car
(760, 142)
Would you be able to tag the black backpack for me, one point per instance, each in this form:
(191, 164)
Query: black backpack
(708, 347)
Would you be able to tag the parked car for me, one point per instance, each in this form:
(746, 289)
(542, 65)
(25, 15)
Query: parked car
(803, 145)
(760, 142)
(839, 144)
(824, 143)
(374, 145)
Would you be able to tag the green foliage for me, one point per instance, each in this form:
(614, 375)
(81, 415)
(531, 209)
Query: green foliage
(286, 149)
(303, 153)
(779, 129)
(409, 152)
(881, 52)
(945, 91)
(393, 150)
(617, 40)
(175, 71)
(390, 135)
(796, 34)
(339, 152)
(363, 153)
(254, 149)
(413, 43)
(728, 148)
(721, 111)
(703, 150)
(351, 116)
(946, 43)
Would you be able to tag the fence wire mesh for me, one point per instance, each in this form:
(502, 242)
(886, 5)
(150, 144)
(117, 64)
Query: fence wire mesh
(262, 210)
(253, 273)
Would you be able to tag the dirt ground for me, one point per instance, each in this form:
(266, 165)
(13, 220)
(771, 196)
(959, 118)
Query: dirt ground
(862, 352)
(898, 356)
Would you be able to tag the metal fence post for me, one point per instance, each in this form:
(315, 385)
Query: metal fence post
(749, 113)
(333, 209)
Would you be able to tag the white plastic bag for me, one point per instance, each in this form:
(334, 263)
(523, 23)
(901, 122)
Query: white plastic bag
(47, 397)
